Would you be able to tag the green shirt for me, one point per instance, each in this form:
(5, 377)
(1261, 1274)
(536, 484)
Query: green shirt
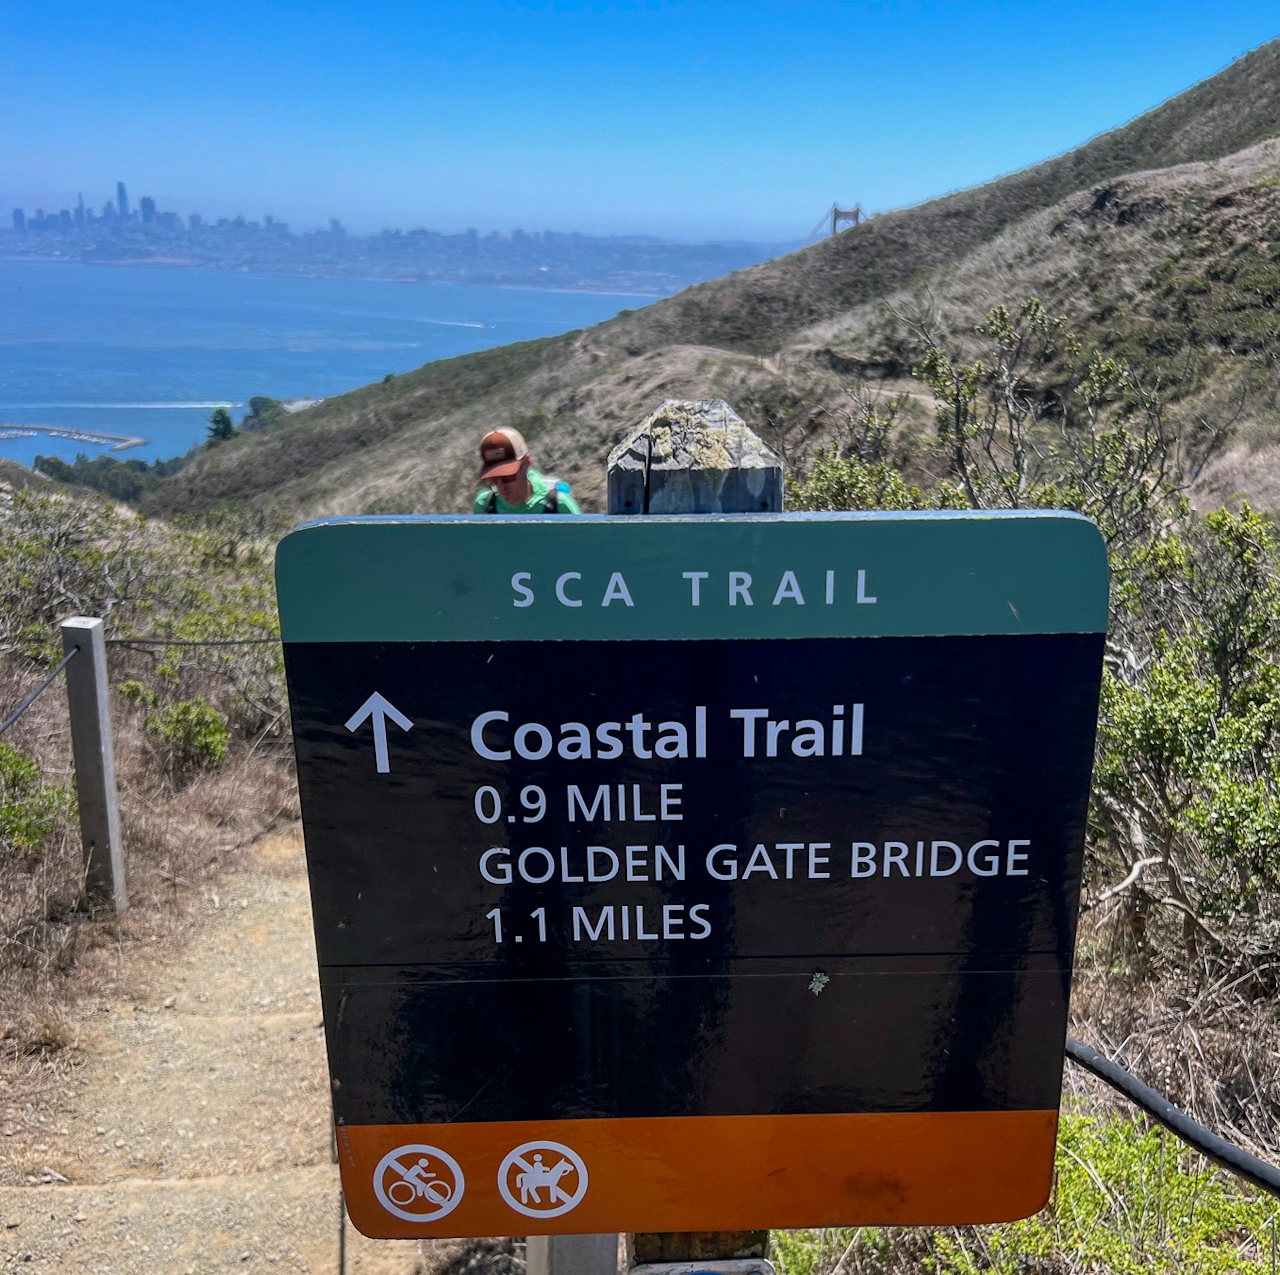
(541, 486)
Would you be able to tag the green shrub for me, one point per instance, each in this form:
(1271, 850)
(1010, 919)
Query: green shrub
(1128, 1199)
(30, 811)
(190, 734)
(848, 482)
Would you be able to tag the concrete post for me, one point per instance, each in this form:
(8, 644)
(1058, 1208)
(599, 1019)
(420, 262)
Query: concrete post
(694, 456)
(92, 749)
(571, 1254)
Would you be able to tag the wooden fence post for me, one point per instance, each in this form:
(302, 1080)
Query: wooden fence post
(92, 749)
(694, 456)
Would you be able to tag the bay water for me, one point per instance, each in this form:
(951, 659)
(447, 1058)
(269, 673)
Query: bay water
(147, 352)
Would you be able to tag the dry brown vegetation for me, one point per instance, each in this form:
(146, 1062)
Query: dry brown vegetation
(484, 1255)
(178, 836)
(202, 761)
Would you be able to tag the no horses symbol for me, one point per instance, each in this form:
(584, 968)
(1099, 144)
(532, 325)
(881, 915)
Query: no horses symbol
(542, 1179)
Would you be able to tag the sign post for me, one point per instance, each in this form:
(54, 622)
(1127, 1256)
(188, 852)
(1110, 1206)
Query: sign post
(694, 874)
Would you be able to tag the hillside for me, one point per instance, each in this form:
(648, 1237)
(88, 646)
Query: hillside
(1184, 189)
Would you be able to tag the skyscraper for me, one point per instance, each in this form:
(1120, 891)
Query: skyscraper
(147, 210)
(19, 219)
(122, 199)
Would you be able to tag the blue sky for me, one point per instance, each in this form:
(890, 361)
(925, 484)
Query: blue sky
(681, 118)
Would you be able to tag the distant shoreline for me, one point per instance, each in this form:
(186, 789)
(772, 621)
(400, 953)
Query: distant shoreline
(174, 263)
(112, 442)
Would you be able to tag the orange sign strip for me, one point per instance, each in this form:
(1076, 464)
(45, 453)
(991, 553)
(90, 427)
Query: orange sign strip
(699, 1173)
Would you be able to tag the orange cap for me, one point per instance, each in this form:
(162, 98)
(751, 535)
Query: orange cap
(501, 451)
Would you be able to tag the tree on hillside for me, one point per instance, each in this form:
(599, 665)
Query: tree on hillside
(1184, 845)
(220, 426)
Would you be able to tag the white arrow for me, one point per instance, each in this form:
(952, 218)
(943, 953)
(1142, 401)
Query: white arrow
(379, 709)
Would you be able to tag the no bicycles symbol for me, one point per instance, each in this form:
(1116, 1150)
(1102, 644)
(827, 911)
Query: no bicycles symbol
(542, 1179)
(418, 1183)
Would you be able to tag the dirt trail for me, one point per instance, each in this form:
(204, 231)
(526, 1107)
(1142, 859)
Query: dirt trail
(194, 1136)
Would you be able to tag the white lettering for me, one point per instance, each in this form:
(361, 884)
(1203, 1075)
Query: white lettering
(640, 934)
(538, 751)
(607, 734)
(991, 862)
(477, 737)
(810, 739)
(863, 595)
(669, 803)
(661, 856)
(527, 873)
(740, 587)
(617, 591)
(788, 587)
(759, 862)
(748, 717)
(565, 599)
(704, 908)
(575, 741)
(730, 866)
(673, 741)
(695, 579)
(639, 728)
(592, 874)
(637, 815)
(577, 800)
(790, 847)
(526, 594)
(957, 858)
(863, 863)
(501, 873)
(580, 920)
(1018, 856)
(899, 857)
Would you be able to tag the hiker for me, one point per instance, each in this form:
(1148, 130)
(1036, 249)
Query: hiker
(515, 487)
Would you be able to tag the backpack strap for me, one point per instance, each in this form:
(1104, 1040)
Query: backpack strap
(491, 502)
(552, 503)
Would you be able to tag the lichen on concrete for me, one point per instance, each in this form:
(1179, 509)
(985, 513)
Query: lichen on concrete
(696, 456)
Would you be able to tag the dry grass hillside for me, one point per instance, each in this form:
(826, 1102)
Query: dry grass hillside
(1157, 238)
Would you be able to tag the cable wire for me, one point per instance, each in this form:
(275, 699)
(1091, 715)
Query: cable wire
(1223, 1153)
(31, 699)
(123, 641)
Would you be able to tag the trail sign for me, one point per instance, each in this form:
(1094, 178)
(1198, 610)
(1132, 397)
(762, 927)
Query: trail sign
(679, 874)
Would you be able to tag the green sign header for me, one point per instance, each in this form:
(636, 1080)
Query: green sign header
(438, 578)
